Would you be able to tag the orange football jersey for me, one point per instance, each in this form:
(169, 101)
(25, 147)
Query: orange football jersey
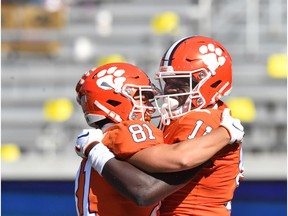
(93, 194)
(212, 189)
(129, 137)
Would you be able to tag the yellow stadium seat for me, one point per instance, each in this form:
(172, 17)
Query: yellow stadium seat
(277, 66)
(165, 23)
(242, 108)
(110, 59)
(10, 152)
(58, 110)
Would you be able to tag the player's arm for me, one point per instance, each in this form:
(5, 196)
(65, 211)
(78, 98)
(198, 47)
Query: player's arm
(189, 153)
(142, 188)
(181, 156)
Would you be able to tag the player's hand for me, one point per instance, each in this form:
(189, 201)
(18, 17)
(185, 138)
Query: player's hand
(86, 140)
(89, 145)
(233, 126)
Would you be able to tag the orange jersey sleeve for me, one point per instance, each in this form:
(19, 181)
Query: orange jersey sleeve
(128, 137)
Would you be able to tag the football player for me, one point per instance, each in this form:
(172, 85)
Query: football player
(111, 94)
(116, 94)
(197, 72)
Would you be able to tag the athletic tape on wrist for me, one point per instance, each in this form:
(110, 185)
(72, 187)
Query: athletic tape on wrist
(98, 156)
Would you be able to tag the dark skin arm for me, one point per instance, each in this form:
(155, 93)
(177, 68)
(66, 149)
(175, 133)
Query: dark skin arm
(142, 188)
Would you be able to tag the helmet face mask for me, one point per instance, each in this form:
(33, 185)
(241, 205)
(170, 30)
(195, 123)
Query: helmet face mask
(142, 101)
(177, 93)
(117, 91)
(208, 67)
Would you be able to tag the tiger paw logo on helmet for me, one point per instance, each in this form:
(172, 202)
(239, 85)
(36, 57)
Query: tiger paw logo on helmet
(212, 56)
(111, 79)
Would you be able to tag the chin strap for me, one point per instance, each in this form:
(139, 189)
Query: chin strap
(169, 105)
(165, 120)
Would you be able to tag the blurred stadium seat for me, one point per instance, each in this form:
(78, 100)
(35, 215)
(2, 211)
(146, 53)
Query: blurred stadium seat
(165, 23)
(58, 110)
(109, 59)
(242, 108)
(277, 66)
(10, 152)
(31, 16)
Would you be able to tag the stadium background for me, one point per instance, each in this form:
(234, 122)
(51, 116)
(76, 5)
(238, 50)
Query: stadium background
(48, 44)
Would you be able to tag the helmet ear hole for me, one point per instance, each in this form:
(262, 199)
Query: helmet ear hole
(216, 84)
(113, 102)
